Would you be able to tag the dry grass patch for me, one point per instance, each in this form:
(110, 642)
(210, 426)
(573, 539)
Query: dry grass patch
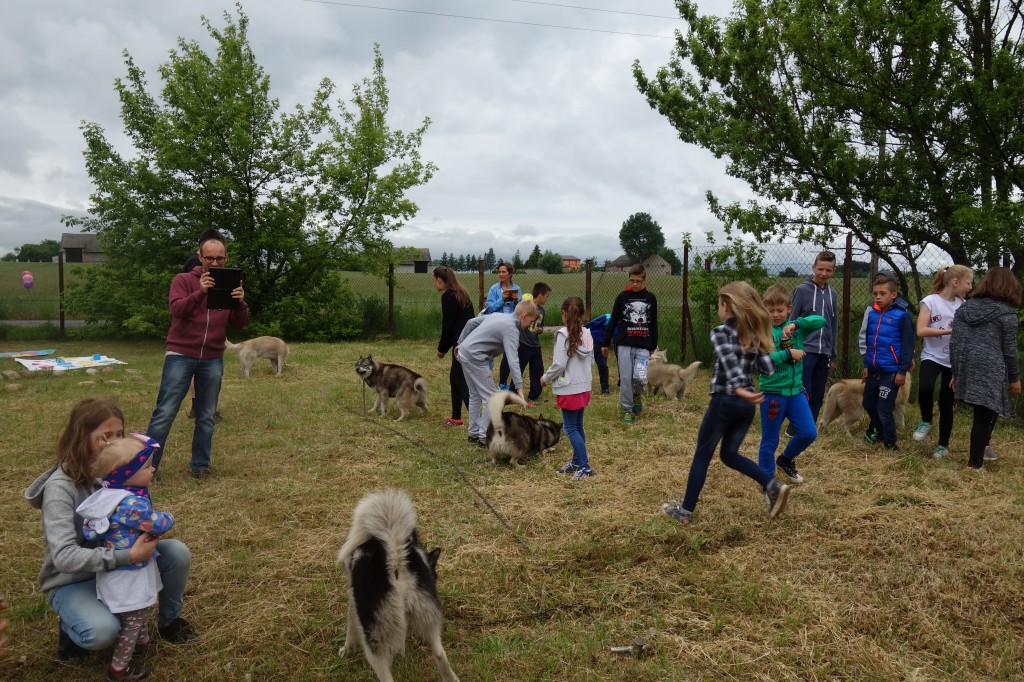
(884, 566)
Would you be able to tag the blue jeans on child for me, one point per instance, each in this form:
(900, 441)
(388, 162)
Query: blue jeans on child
(91, 625)
(572, 425)
(774, 410)
(726, 420)
(174, 382)
(880, 391)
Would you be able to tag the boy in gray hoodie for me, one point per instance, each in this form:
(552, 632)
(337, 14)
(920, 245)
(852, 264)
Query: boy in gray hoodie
(815, 296)
(484, 338)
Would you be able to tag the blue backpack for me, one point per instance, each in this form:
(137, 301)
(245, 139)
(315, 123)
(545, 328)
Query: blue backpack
(597, 327)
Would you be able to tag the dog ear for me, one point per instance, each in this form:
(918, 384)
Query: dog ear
(432, 557)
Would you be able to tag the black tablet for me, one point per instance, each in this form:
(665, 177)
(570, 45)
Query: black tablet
(225, 280)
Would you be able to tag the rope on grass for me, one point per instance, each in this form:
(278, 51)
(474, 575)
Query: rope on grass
(465, 478)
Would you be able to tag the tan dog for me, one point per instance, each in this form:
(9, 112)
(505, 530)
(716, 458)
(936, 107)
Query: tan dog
(671, 379)
(269, 347)
(845, 399)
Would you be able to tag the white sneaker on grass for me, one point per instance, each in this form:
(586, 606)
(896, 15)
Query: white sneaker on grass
(922, 430)
(990, 454)
(940, 452)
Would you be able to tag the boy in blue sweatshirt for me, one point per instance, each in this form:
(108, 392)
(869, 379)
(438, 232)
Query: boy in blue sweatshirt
(887, 346)
(784, 394)
(598, 328)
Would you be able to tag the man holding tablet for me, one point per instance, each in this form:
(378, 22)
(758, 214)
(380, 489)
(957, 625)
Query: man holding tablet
(195, 349)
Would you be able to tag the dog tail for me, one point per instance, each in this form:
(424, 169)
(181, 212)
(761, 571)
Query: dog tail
(687, 373)
(231, 346)
(420, 386)
(387, 515)
(497, 403)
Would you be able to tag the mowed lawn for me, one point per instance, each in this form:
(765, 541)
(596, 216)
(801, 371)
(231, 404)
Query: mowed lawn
(884, 566)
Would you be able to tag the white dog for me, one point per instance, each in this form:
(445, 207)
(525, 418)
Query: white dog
(269, 347)
(672, 379)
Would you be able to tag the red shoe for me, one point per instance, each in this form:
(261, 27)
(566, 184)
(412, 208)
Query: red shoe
(529, 403)
(453, 422)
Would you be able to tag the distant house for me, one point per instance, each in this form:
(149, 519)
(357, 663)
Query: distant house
(620, 264)
(81, 248)
(570, 263)
(420, 261)
(653, 264)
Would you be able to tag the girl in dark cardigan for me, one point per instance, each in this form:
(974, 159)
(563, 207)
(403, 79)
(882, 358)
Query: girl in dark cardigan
(456, 311)
(983, 350)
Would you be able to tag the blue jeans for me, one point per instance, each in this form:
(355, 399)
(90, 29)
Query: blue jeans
(572, 425)
(774, 410)
(880, 391)
(727, 420)
(91, 625)
(815, 377)
(179, 370)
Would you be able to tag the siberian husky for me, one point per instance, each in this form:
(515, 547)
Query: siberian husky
(392, 584)
(515, 436)
(393, 381)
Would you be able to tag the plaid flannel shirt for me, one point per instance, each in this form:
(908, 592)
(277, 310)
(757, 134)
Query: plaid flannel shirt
(735, 365)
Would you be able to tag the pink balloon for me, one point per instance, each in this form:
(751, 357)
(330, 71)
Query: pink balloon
(26, 279)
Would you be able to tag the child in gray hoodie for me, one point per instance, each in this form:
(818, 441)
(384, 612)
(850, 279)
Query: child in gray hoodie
(571, 380)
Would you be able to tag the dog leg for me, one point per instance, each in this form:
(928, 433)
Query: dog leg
(441, 658)
(381, 664)
(352, 634)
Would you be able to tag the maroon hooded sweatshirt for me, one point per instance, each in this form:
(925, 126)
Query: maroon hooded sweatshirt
(196, 331)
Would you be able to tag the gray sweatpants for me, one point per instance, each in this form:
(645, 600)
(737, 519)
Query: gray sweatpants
(480, 381)
(628, 387)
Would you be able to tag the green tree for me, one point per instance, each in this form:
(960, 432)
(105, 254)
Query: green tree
(517, 261)
(550, 262)
(789, 272)
(490, 260)
(898, 121)
(641, 236)
(43, 252)
(297, 193)
(534, 260)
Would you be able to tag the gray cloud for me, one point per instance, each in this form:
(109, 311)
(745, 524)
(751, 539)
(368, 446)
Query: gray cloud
(539, 134)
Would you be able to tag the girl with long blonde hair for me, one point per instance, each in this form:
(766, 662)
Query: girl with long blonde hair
(742, 344)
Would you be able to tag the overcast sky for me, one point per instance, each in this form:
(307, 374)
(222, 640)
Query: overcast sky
(539, 133)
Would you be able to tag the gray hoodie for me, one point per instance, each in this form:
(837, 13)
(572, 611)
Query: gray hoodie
(570, 375)
(983, 353)
(487, 336)
(69, 557)
(810, 299)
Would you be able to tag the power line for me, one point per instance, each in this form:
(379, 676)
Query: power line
(497, 21)
(595, 9)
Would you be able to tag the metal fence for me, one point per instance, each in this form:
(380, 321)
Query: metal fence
(33, 300)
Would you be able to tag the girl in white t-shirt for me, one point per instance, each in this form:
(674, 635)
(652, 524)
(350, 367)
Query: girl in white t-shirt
(934, 325)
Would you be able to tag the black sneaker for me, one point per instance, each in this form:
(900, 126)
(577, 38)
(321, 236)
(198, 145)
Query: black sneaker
(890, 446)
(776, 493)
(134, 671)
(788, 467)
(178, 631)
(67, 650)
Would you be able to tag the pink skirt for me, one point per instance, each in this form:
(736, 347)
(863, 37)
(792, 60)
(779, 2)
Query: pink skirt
(575, 401)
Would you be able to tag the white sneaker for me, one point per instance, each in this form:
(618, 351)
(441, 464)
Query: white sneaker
(922, 430)
(940, 452)
(990, 454)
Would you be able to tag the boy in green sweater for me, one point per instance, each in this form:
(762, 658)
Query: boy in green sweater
(784, 394)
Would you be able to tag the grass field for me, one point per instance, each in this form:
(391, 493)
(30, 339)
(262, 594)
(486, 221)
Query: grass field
(883, 567)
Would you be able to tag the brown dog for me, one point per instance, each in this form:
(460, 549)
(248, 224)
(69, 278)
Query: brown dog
(671, 379)
(845, 400)
(270, 347)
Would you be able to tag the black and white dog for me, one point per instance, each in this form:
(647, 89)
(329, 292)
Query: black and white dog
(515, 436)
(391, 584)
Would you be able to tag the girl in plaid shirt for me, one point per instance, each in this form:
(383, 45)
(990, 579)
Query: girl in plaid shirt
(742, 344)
